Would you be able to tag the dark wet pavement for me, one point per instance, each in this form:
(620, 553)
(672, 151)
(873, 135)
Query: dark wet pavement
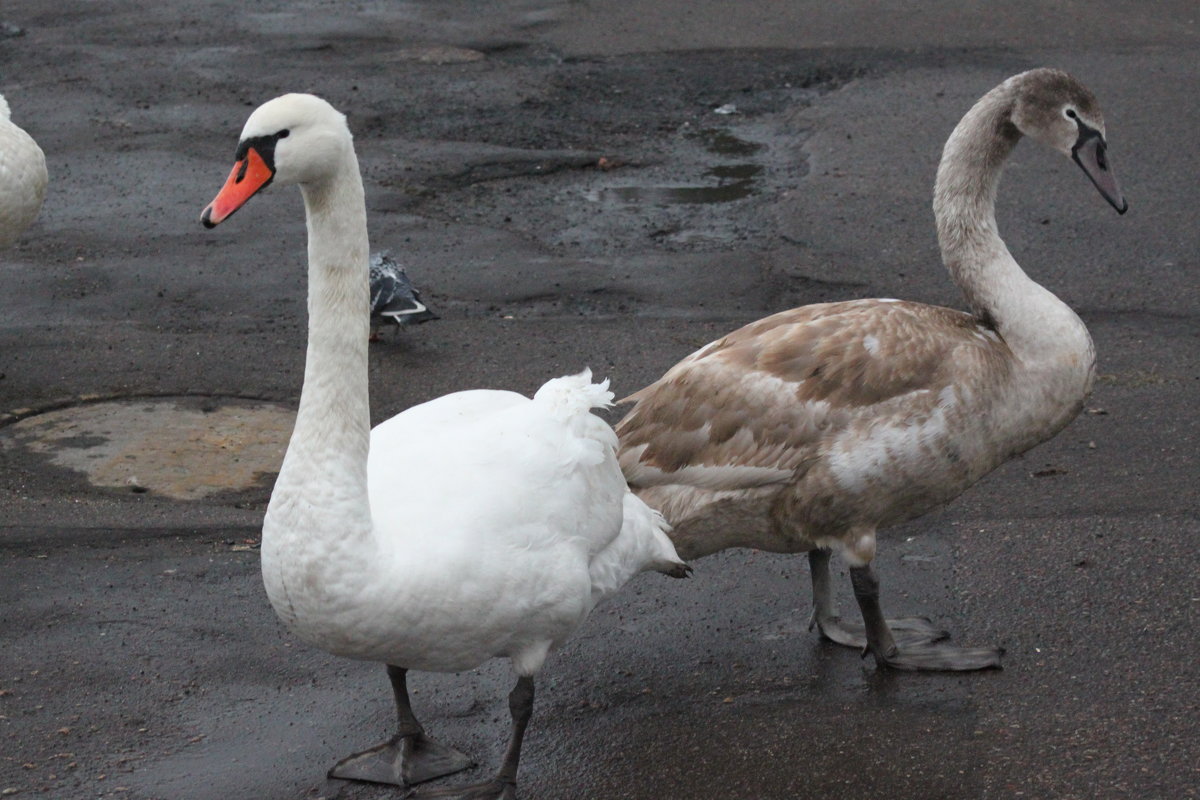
(558, 182)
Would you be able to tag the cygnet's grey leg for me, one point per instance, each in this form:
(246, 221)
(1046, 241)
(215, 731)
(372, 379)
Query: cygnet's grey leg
(926, 655)
(408, 758)
(503, 786)
(907, 630)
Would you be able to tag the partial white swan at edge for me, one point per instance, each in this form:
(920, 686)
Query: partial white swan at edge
(23, 178)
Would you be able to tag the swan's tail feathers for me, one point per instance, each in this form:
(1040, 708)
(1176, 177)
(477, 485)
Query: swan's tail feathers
(571, 395)
(652, 528)
(642, 546)
(680, 569)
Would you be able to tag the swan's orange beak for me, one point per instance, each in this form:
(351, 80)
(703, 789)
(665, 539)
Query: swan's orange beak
(248, 176)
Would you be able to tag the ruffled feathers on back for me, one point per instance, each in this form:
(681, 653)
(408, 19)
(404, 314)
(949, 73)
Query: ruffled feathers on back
(489, 493)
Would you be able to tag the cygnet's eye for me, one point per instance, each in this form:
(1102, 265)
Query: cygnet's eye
(1070, 112)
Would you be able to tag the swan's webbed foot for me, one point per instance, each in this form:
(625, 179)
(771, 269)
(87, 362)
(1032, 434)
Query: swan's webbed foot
(492, 789)
(408, 758)
(907, 631)
(502, 786)
(402, 761)
(909, 643)
(897, 653)
(938, 656)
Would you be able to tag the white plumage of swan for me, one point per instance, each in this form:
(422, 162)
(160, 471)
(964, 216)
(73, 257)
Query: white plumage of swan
(23, 178)
(809, 430)
(498, 540)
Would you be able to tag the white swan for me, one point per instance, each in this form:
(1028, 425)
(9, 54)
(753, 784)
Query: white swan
(22, 178)
(497, 541)
(811, 429)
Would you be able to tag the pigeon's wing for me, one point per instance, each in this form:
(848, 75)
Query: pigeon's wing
(393, 295)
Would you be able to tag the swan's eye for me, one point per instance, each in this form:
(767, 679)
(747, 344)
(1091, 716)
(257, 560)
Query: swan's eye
(283, 134)
(1070, 112)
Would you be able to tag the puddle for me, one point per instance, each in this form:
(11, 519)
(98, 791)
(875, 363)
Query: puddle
(181, 447)
(732, 181)
(724, 143)
(735, 181)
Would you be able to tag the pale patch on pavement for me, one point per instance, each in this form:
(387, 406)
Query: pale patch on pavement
(185, 448)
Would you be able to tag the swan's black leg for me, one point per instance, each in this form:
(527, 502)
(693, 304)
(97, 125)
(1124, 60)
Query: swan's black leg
(503, 786)
(408, 758)
(908, 655)
(908, 630)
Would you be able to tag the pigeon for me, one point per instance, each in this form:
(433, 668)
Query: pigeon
(393, 297)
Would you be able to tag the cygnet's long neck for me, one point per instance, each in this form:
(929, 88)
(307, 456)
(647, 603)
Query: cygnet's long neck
(995, 286)
(326, 462)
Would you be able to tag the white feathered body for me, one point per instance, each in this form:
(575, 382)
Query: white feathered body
(496, 524)
(476, 525)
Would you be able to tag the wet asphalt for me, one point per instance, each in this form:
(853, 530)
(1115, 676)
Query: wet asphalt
(558, 181)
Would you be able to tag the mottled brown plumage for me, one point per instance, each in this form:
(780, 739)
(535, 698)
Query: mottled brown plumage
(812, 428)
(765, 407)
(825, 375)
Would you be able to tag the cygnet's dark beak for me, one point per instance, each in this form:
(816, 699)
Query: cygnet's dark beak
(1091, 154)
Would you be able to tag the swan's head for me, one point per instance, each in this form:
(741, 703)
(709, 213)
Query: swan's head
(296, 138)
(1059, 111)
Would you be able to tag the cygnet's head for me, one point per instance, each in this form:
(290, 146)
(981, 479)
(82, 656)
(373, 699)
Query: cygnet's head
(296, 138)
(1059, 111)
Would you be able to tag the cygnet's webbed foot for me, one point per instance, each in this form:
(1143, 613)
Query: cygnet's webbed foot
(900, 652)
(938, 656)
(402, 761)
(492, 789)
(907, 631)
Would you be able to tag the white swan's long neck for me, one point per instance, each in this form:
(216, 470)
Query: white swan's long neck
(1027, 315)
(326, 462)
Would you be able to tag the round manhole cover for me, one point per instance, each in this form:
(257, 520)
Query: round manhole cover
(181, 447)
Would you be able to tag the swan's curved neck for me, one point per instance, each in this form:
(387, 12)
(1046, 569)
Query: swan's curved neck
(964, 202)
(326, 462)
(1035, 324)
